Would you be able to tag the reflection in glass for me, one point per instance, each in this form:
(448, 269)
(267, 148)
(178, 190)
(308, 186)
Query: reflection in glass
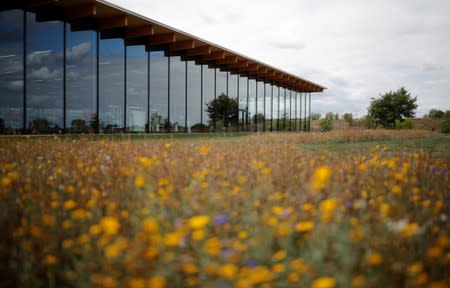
(301, 109)
(44, 75)
(158, 92)
(137, 84)
(11, 71)
(221, 90)
(260, 115)
(233, 94)
(111, 85)
(243, 104)
(81, 81)
(268, 106)
(275, 108)
(177, 95)
(289, 109)
(208, 95)
(194, 104)
(252, 103)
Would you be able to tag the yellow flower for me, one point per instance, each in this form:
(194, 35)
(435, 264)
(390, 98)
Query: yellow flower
(172, 239)
(374, 259)
(95, 229)
(409, 230)
(110, 225)
(136, 283)
(359, 281)
(198, 234)
(198, 222)
(213, 246)
(327, 208)
(320, 178)
(69, 204)
(204, 150)
(50, 260)
(278, 268)
(228, 271)
(396, 189)
(189, 268)
(279, 255)
(139, 181)
(150, 226)
(304, 226)
(415, 268)
(48, 220)
(157, 282)
(324, 282)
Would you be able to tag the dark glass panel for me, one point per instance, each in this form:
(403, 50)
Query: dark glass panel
(276, 108)
(260, 115)
(11, 71)
(252, 103)
(282, 109)
(288, 110)
(81, 81)
(158, 92)
(194, 101)
(44, 75)
(233, 94)
(268, 106)
(208, 95)
(177, 95)
(137, 88)
(243, 104)
(221, 90)
(111, 85)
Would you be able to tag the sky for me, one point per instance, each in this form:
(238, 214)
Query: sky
(357, 49)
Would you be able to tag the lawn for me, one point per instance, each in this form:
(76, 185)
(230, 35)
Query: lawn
(339, 209)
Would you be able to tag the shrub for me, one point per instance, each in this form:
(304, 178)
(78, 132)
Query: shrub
(405, 124)
(326, 125)
(445, 126)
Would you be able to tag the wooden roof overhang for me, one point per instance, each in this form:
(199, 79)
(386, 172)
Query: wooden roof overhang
(115, 22)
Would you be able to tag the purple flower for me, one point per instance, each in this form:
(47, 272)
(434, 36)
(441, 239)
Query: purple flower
(220, 219)
(251, 263)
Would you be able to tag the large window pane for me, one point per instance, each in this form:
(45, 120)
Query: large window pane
(44, 75)
(111, 85)
(268, 106)
(252, 103)
(288, 110)
(177, 95)
(243, 104)
(276, 108)
(137, 85)
(158, 92)
(81, 81)
(283, 109)
(260, 115)
(194, 101)
(11, 71)
(221, 90)
(208, 95)
(233, 94)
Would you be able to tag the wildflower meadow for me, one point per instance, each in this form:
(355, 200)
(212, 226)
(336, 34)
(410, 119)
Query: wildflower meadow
(338, 209)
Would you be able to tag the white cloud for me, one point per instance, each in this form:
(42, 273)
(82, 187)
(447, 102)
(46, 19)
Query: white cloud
(44, 73)
(357, 49)
(78, 52)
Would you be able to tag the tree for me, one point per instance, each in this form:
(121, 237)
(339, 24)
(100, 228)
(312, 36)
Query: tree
(348, 117)
(392, 106)
(435, 113)
(326, 124)
(315, 116)
(222, 110)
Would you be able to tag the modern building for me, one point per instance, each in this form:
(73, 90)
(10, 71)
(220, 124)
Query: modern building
(87, 66)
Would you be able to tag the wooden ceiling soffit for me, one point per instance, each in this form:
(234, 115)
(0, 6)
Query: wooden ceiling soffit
(239, 65)
(49, 13)
(112, 33)
(199, 51)
(181, 45)
(79, 12)
(214, 56)
(108, 23)
(139, 32)
(37, 3)
(162, 39)
(227, 60)
(136, 41)
(252, 67)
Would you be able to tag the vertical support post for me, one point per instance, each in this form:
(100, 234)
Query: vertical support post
(271, 108)
(215, 97)
(309, 129)
(256, 107)
(278, 112)
(147, 129)
(125, 110)
(201, 94)
(186, 97)
(97, 84)
(168, 95)
(64, 80)
(226, 110)
(237, 100)
(264, 105)
(246, 114)
(304, 122)
(24, 75)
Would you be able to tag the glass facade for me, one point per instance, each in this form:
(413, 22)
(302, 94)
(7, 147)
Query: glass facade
(137, 68)
(159, 92)
(60, 77)
(11, 71)
(81, 84)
